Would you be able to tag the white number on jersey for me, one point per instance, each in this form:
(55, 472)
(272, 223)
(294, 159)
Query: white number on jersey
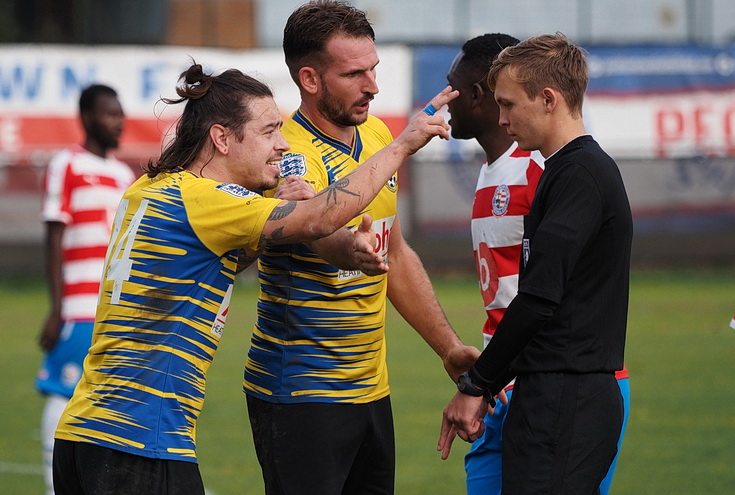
(119, 267)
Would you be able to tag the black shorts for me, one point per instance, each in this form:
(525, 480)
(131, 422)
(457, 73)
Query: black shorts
(561, 433)
(86, 468)
(317, 448)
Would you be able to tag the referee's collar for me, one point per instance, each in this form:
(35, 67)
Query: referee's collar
(581, 138)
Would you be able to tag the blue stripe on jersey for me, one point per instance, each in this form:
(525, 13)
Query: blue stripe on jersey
(278, 281)
(352, 151)
(144, 380)
(328, 372)
(320, 333)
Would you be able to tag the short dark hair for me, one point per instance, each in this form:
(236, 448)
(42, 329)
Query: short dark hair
(88, 98)
(223, 99)
(313, 24)
(479, 52)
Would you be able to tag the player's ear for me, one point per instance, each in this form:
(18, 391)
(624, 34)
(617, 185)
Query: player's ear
(219, 136)
(86, 118)
(551, 99)
(309, 80)
(477, 94)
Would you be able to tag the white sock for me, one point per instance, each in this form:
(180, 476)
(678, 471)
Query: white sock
(55, 405)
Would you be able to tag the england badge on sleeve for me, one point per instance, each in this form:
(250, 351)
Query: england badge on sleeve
(293, 164)
(235, 190)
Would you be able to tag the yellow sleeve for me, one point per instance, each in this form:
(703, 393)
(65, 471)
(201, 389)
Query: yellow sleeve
(226, 216)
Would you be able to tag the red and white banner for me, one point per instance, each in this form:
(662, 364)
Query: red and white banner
(40, 87)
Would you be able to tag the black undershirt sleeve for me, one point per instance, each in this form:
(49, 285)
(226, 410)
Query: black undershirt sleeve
(525, 316)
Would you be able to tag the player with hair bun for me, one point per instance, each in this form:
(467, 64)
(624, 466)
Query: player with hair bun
(180, 234)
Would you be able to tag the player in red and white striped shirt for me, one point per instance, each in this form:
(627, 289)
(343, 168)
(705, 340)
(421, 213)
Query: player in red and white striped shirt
(82, 189)
(505, 189)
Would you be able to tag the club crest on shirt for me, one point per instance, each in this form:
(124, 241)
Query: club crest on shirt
(392, 183)
(293, 164)
(235, 190)
(501, 200)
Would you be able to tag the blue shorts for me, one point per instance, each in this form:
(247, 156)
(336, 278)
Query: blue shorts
(624, 385)
(62, 366)
(483, 463)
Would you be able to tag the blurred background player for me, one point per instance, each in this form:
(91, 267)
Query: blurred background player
(316, 371)
(82, 188)
(505, 189)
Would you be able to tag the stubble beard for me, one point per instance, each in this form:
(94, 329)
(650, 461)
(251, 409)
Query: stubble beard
(334, 110)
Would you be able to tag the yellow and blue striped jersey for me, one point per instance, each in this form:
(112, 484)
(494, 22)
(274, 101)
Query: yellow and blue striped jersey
(319, 335)
(163, 301)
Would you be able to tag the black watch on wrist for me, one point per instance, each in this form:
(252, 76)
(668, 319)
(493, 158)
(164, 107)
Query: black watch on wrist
(467, 386)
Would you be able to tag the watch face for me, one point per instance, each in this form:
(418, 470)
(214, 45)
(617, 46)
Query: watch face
(465, 385)
(462, 384)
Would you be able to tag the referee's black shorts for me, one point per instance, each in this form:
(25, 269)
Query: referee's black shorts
(86, 468)
(561, 433)
(317, 448)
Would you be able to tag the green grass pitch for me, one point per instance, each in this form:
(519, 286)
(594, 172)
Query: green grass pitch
(680, 354)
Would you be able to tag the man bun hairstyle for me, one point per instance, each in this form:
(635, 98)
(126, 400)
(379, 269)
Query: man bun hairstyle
(223, 99)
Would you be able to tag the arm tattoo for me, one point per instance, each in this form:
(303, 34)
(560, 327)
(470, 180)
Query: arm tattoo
(276, 235)
(339, 186)
(282, 211)
(279, 213)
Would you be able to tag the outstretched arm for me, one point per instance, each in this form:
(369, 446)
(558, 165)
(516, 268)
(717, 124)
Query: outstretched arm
(411, 293)
(344, 249)
(334, 206)
(291, 188)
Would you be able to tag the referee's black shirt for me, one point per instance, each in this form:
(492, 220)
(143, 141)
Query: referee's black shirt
(575, 262)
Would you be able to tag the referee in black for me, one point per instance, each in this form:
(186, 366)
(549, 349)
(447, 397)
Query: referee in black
(563, 336)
